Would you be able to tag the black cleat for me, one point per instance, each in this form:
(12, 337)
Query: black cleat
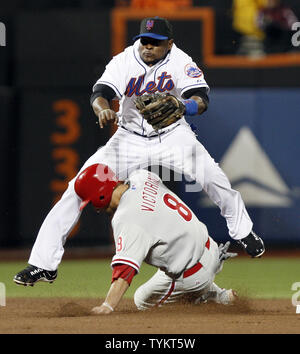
(253, 245)
(31, 274)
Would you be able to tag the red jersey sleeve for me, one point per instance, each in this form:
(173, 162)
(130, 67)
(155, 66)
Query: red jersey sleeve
(123, 271)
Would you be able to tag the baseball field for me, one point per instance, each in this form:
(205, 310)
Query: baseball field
(264, 304)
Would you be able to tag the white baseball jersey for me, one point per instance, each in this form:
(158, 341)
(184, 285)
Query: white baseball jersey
(129, 77)
(152, 224)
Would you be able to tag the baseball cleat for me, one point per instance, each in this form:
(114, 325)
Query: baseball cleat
(253, 245)
(31, 274)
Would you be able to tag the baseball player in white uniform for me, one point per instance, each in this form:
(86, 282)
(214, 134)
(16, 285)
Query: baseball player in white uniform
(152, 64)
(151, 224)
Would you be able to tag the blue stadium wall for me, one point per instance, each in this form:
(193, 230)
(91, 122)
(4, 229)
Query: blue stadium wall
(254, 135)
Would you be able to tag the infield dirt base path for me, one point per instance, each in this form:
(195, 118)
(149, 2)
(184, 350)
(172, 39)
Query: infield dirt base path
(71, 316)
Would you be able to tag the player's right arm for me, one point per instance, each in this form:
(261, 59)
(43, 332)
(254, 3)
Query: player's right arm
(109, 86)
(131, 250)
(113, 297)
(121, 279)
(100, 98)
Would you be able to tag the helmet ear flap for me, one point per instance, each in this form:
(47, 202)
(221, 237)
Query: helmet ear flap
(95, 184)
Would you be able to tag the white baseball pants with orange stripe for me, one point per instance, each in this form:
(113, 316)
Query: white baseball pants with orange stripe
(162, 289)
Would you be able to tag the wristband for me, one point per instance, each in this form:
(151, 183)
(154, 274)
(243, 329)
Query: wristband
(191, 107)
(108, 306)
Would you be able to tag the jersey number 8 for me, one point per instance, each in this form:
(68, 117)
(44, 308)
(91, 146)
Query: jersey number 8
(182, 210)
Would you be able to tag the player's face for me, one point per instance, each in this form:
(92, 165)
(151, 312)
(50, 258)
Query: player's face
(153, 50)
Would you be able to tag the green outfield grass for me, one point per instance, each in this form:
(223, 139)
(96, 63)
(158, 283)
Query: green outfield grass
(255, 278)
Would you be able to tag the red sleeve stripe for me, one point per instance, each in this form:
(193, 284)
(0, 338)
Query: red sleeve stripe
(126, 261)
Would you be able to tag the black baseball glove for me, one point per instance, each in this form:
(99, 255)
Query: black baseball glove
(160, 110)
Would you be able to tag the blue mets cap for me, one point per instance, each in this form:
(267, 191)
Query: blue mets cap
(155, 27)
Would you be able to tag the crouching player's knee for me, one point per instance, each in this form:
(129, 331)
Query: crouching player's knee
(139, 299)
(143, 299)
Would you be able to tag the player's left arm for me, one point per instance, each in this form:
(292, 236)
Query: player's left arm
(198, 95)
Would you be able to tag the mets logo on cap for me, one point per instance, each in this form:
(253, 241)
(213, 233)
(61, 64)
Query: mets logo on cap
(149, 24)
(192, 70)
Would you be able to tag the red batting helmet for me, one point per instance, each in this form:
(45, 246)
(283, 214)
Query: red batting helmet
(95, 184)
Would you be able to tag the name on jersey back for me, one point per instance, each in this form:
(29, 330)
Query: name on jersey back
(149, 193)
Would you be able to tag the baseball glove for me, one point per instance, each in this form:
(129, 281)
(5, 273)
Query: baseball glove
(160, 110)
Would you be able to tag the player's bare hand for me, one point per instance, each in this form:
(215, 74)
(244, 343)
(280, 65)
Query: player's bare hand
(101, 310)
(107, 115)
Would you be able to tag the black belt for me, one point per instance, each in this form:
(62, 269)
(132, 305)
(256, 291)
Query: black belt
(151, 136)
(144, 136)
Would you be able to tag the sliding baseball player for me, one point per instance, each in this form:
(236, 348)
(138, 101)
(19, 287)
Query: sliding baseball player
(151, 224)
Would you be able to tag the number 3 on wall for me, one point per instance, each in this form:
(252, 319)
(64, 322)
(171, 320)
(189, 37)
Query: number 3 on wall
(174, 204)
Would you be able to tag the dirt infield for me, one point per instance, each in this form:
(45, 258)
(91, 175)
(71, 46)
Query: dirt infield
(66, 315)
